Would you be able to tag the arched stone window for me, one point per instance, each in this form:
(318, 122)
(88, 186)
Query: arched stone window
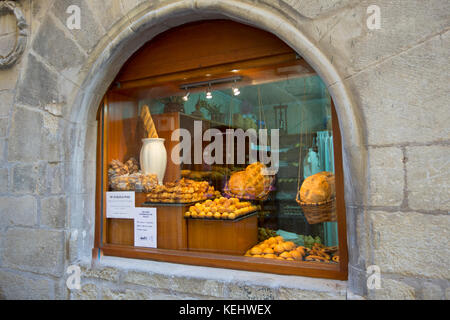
(180, 130)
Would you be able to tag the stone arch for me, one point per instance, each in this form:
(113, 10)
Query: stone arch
(143, 23)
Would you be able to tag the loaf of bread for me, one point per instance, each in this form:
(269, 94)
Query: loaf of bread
(251, 182)
(237, 183)
(319, 187)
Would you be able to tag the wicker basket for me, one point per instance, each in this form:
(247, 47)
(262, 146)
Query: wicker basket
(319, 212)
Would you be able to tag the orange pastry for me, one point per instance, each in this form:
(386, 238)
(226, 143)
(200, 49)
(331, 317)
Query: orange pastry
(255, 250)
(279, 248)
(263, 246)
(285, 255)
(296, 255)
(289, 245)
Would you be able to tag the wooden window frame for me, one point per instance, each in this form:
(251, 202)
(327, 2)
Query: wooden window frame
(300, 268)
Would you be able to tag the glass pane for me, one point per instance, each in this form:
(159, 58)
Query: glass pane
(246, 172)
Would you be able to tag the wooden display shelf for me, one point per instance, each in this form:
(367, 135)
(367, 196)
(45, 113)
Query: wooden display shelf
(223, 236)
(171, 226)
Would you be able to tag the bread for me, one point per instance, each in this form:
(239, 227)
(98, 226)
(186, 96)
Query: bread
(250, 182)
(319, 187)
(237, 183)
(182, 191)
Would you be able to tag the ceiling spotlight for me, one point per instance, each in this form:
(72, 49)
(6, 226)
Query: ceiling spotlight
(186, 96)
(236, 91)
(208, 92)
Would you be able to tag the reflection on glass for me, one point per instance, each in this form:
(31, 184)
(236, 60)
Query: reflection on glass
(229, 203)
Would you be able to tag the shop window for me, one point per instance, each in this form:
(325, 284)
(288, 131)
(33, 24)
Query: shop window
(224, 154)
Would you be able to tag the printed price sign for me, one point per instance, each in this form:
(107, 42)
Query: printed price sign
(120, 204)
(145, 227)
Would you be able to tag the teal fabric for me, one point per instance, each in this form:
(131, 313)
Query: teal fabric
(326, 160)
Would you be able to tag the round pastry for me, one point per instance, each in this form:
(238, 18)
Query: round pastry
(255, 250)
(250, 182)
(237, 183)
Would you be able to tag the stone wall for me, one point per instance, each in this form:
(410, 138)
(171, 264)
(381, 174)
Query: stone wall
(390, 87)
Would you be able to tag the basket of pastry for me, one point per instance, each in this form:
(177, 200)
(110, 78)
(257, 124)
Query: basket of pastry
(278, 248)
(317, 198)
(127, 177)
(221, 208)
(182, 191)
(253, 183)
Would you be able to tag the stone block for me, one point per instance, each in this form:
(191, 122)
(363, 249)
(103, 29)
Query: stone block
(108, 13)
(428, 176)
(2, 150)
(3, 127)
(88, 291)
(29, 140)
(25, 134)
(40, 86)
(197, 286)
(126, 294)
(314, 8)
(6, 102)
(152, 280)
(386, 172)
(4, 178)
(298, 294)
(18, 211)
(19, 286)
(57, 49)
(35, 250)
(129, 5)
(91, 31)
(399, 106)
(54, 212)
(411, 243)
(431, 291)
(55, 177)
(393, 290)
(28, 178)
(104, 273)
(351, 46)
(240, 291)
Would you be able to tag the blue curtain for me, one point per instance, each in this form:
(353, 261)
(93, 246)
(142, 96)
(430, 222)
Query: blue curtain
(325, 150)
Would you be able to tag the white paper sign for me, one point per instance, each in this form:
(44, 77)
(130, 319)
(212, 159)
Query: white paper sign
(145, 227)
(120, 204)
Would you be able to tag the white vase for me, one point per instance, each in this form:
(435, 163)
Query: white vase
(153, 157)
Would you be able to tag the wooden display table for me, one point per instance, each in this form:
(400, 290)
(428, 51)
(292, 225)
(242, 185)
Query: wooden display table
(171, 226)
(176, 232)
(223, 236)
